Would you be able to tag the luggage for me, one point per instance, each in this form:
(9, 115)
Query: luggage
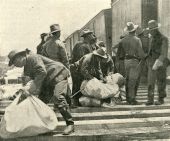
(28, 117)
(96, 89)
(116, 79)
(89, 102)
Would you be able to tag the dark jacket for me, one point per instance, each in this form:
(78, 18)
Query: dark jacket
(55, 50)
(81, 49)
(132, 46)
(158, 48)
(40, 68)
(90, 67)
(107, 66)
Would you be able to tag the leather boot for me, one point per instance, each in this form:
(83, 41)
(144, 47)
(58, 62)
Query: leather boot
(66, 115)
(150, 98)
(68, 130)
(160, 101)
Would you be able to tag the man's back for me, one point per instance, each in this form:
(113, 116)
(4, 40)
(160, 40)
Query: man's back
(132, 46)
(79, 50)
(55, 50)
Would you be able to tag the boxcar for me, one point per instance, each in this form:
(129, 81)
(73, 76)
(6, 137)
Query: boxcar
(101, 25)
(137, 11)
(71, 40)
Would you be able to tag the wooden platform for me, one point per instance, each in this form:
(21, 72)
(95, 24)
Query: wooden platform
(123, 122)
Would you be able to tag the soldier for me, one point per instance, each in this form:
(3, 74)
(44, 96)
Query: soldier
(157, 63)
(80, 49)
(40, 46)
(84, 47)
(54, 48)
(49, 81)
(107, 65)
(90, 64)
(133, 53)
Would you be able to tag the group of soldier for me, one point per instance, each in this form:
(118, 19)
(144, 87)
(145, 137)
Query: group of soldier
(143, 50)
(51, 68)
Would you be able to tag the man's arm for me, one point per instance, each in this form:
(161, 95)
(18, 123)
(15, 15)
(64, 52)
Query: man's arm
(164, 49)
(84, 70)
(63, 55)
(40, 73)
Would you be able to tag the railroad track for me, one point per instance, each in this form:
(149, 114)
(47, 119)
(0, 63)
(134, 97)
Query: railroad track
(123, 122)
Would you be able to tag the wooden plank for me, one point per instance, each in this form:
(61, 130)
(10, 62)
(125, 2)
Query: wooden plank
(118, 121)
(127, 113)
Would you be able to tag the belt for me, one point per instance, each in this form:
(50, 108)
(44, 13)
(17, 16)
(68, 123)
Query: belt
(128, 57)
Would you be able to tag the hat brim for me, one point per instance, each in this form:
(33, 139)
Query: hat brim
(11, 61)
(135, 27)
(95, 53)
(54, 31)
(159, 25)
(90, 32)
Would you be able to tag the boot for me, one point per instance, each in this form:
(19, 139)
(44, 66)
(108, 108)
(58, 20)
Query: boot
(149, 103)
(134, 102)
(68, 130)
(150, 98)
(66, 115)
(160, 101)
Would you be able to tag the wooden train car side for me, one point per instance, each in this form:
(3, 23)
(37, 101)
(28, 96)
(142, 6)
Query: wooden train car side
(137, 11)
(71, 40)
(100, 24)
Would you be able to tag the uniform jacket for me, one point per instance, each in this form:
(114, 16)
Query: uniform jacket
(89, 67)
(40, 68)
(107, 66)
(55, 50)
(158, 48)
(132, 46)
(81, 49)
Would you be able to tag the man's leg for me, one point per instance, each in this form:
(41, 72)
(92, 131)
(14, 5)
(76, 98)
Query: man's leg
(161, 82)
(59, 99)
(133, 82)
(127, 68)
(151, 85)
(77, 80)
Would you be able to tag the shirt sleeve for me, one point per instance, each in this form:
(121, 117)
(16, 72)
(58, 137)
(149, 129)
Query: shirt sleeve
(98, 70)
(39, 71)
(85, 71)
(63, 55)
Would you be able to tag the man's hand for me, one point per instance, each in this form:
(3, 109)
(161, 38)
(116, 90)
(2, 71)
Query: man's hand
(157, 64)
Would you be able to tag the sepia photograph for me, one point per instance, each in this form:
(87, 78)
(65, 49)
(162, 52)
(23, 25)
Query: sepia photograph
(84, 70)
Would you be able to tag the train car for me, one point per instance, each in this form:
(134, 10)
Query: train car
(164, 19)
(71, 40)
(101, 25)
(140, 12)
(137, 11)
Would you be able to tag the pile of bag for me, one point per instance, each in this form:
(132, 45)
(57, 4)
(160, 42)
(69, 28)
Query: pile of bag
(94, 91)
(27, 116)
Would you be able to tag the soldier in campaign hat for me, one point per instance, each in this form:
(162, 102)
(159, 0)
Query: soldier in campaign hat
(157, 62)
(80, 49)
(132, 54)
(49, 81)
(54, 48)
